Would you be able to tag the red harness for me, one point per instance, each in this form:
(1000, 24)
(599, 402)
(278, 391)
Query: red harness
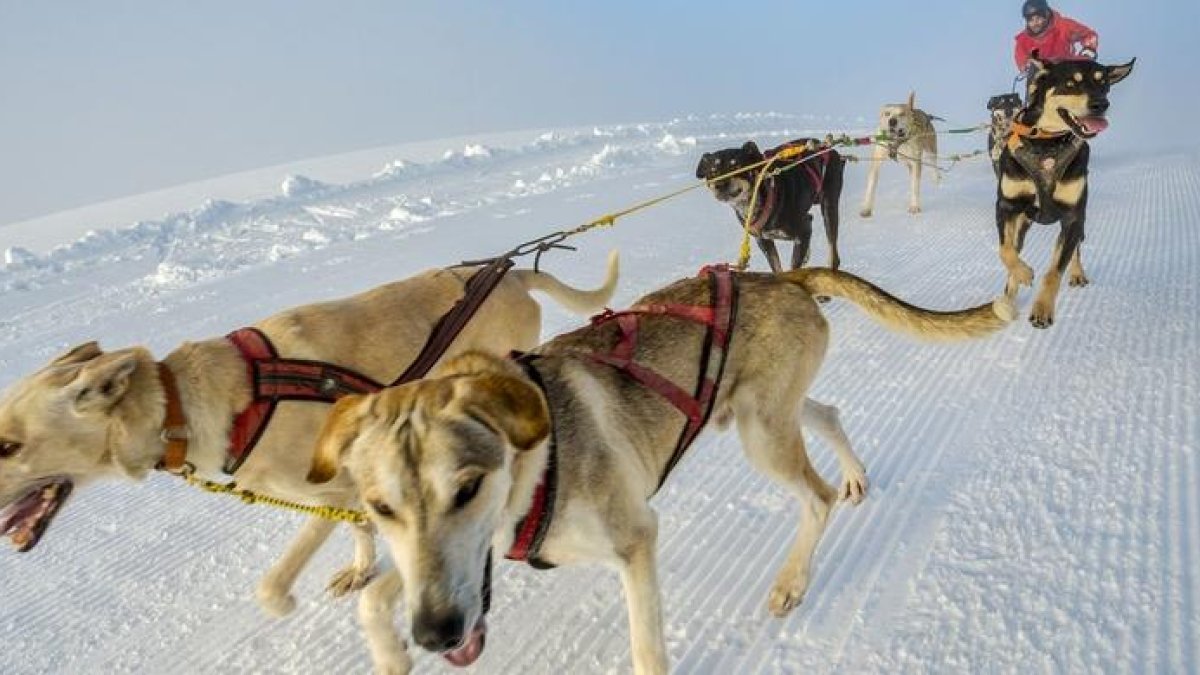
(274, 379)
(813, 168)
(718, 317)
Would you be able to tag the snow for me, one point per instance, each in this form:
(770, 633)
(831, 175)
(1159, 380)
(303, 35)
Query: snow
(1034, 497)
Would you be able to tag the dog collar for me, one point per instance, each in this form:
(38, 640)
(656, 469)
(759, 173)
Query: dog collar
(1021, 130)
(174, 427)
(531, 530)
(766, 210)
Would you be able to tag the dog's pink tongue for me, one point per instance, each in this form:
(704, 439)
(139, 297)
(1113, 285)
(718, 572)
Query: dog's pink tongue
(1093, 125)
(466, 653)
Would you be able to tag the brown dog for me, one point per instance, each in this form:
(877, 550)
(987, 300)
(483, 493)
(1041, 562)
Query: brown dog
(447, 467)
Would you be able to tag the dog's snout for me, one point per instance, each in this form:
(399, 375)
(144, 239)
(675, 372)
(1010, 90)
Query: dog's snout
(892, 122)
(438, 631)
(1098, 107)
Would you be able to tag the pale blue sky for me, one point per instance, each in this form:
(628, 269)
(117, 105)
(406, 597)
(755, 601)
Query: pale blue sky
(105, 99)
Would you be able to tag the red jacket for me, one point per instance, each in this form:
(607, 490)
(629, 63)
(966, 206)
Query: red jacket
(1057, 42)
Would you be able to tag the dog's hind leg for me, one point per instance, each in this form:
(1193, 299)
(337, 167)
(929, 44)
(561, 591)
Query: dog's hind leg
(274, 592)
(775, 445)
(823, 420)
(359, 572)
(1077, 278)
(830, 217)
(376, 610)
(639, 577)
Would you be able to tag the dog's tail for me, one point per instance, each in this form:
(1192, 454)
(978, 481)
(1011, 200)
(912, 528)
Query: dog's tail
(894, 313)
(576, 300)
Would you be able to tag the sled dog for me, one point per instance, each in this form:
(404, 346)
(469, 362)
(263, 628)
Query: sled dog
(1002, 109)
(912, 141)
(91, 414)
(784, 201)
(447, 467)
(1044, 169)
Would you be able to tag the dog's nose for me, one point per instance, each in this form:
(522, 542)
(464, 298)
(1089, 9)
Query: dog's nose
(438, 632)
(1098, 107)
(892, 122)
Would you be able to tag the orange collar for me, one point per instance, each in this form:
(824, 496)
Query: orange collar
(1020, 131)
(174, 427)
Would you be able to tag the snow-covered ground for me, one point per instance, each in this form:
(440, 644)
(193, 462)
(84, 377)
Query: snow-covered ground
(1034, 499)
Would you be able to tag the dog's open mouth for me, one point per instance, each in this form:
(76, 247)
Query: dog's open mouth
(25, 520)
(471, 647)
(1087, 127)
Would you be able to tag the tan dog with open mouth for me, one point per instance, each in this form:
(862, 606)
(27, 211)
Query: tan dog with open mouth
(90, 414)
(912, 142)
(448, 468)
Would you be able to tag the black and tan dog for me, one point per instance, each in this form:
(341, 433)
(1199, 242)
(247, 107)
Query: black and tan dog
(1003, 109)
(448, 466)
(781, 209)
(1043, 172)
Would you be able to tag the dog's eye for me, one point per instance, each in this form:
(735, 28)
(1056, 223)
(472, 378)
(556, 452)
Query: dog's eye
(9, 449)
(467, 492)
(382, 509)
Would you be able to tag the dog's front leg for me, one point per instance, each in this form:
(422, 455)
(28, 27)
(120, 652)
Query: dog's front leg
(1042, 315)
(376, 610)
(274, 592)
(359, 572)
(1012, 226)
(768, 248)
(877, 157)
(914, 183)
(639, 576)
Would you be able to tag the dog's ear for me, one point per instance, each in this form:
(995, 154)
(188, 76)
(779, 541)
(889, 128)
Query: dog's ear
(702, 166)
(1035, 60)
(475, 363)
(912, 100)
(1117, 73)
(341, 428)
(510, 406)
(78, 354)
(750, 149)
(100, 383)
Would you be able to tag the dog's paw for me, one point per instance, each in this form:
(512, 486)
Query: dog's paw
(348, 580)
(1078, 281)
(784, 598)
(1041, 317)
(275, 603)
(854, 484)
(1020, 274)
(865, 213)
(914, 209)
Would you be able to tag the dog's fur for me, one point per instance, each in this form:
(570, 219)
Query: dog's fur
(1066, 106)
(1003, 110)
(447, 466)
(914, 142)
(89, 414)
(791, 219)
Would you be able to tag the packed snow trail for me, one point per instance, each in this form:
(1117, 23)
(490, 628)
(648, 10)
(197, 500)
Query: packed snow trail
(1033, 501)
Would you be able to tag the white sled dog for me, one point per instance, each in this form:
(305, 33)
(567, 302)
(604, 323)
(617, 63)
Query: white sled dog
(451, 469)
(91, 414)
(913, 143)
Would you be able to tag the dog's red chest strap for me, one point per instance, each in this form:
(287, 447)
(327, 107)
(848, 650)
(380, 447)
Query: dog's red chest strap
(273, 379)
(718, 317)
